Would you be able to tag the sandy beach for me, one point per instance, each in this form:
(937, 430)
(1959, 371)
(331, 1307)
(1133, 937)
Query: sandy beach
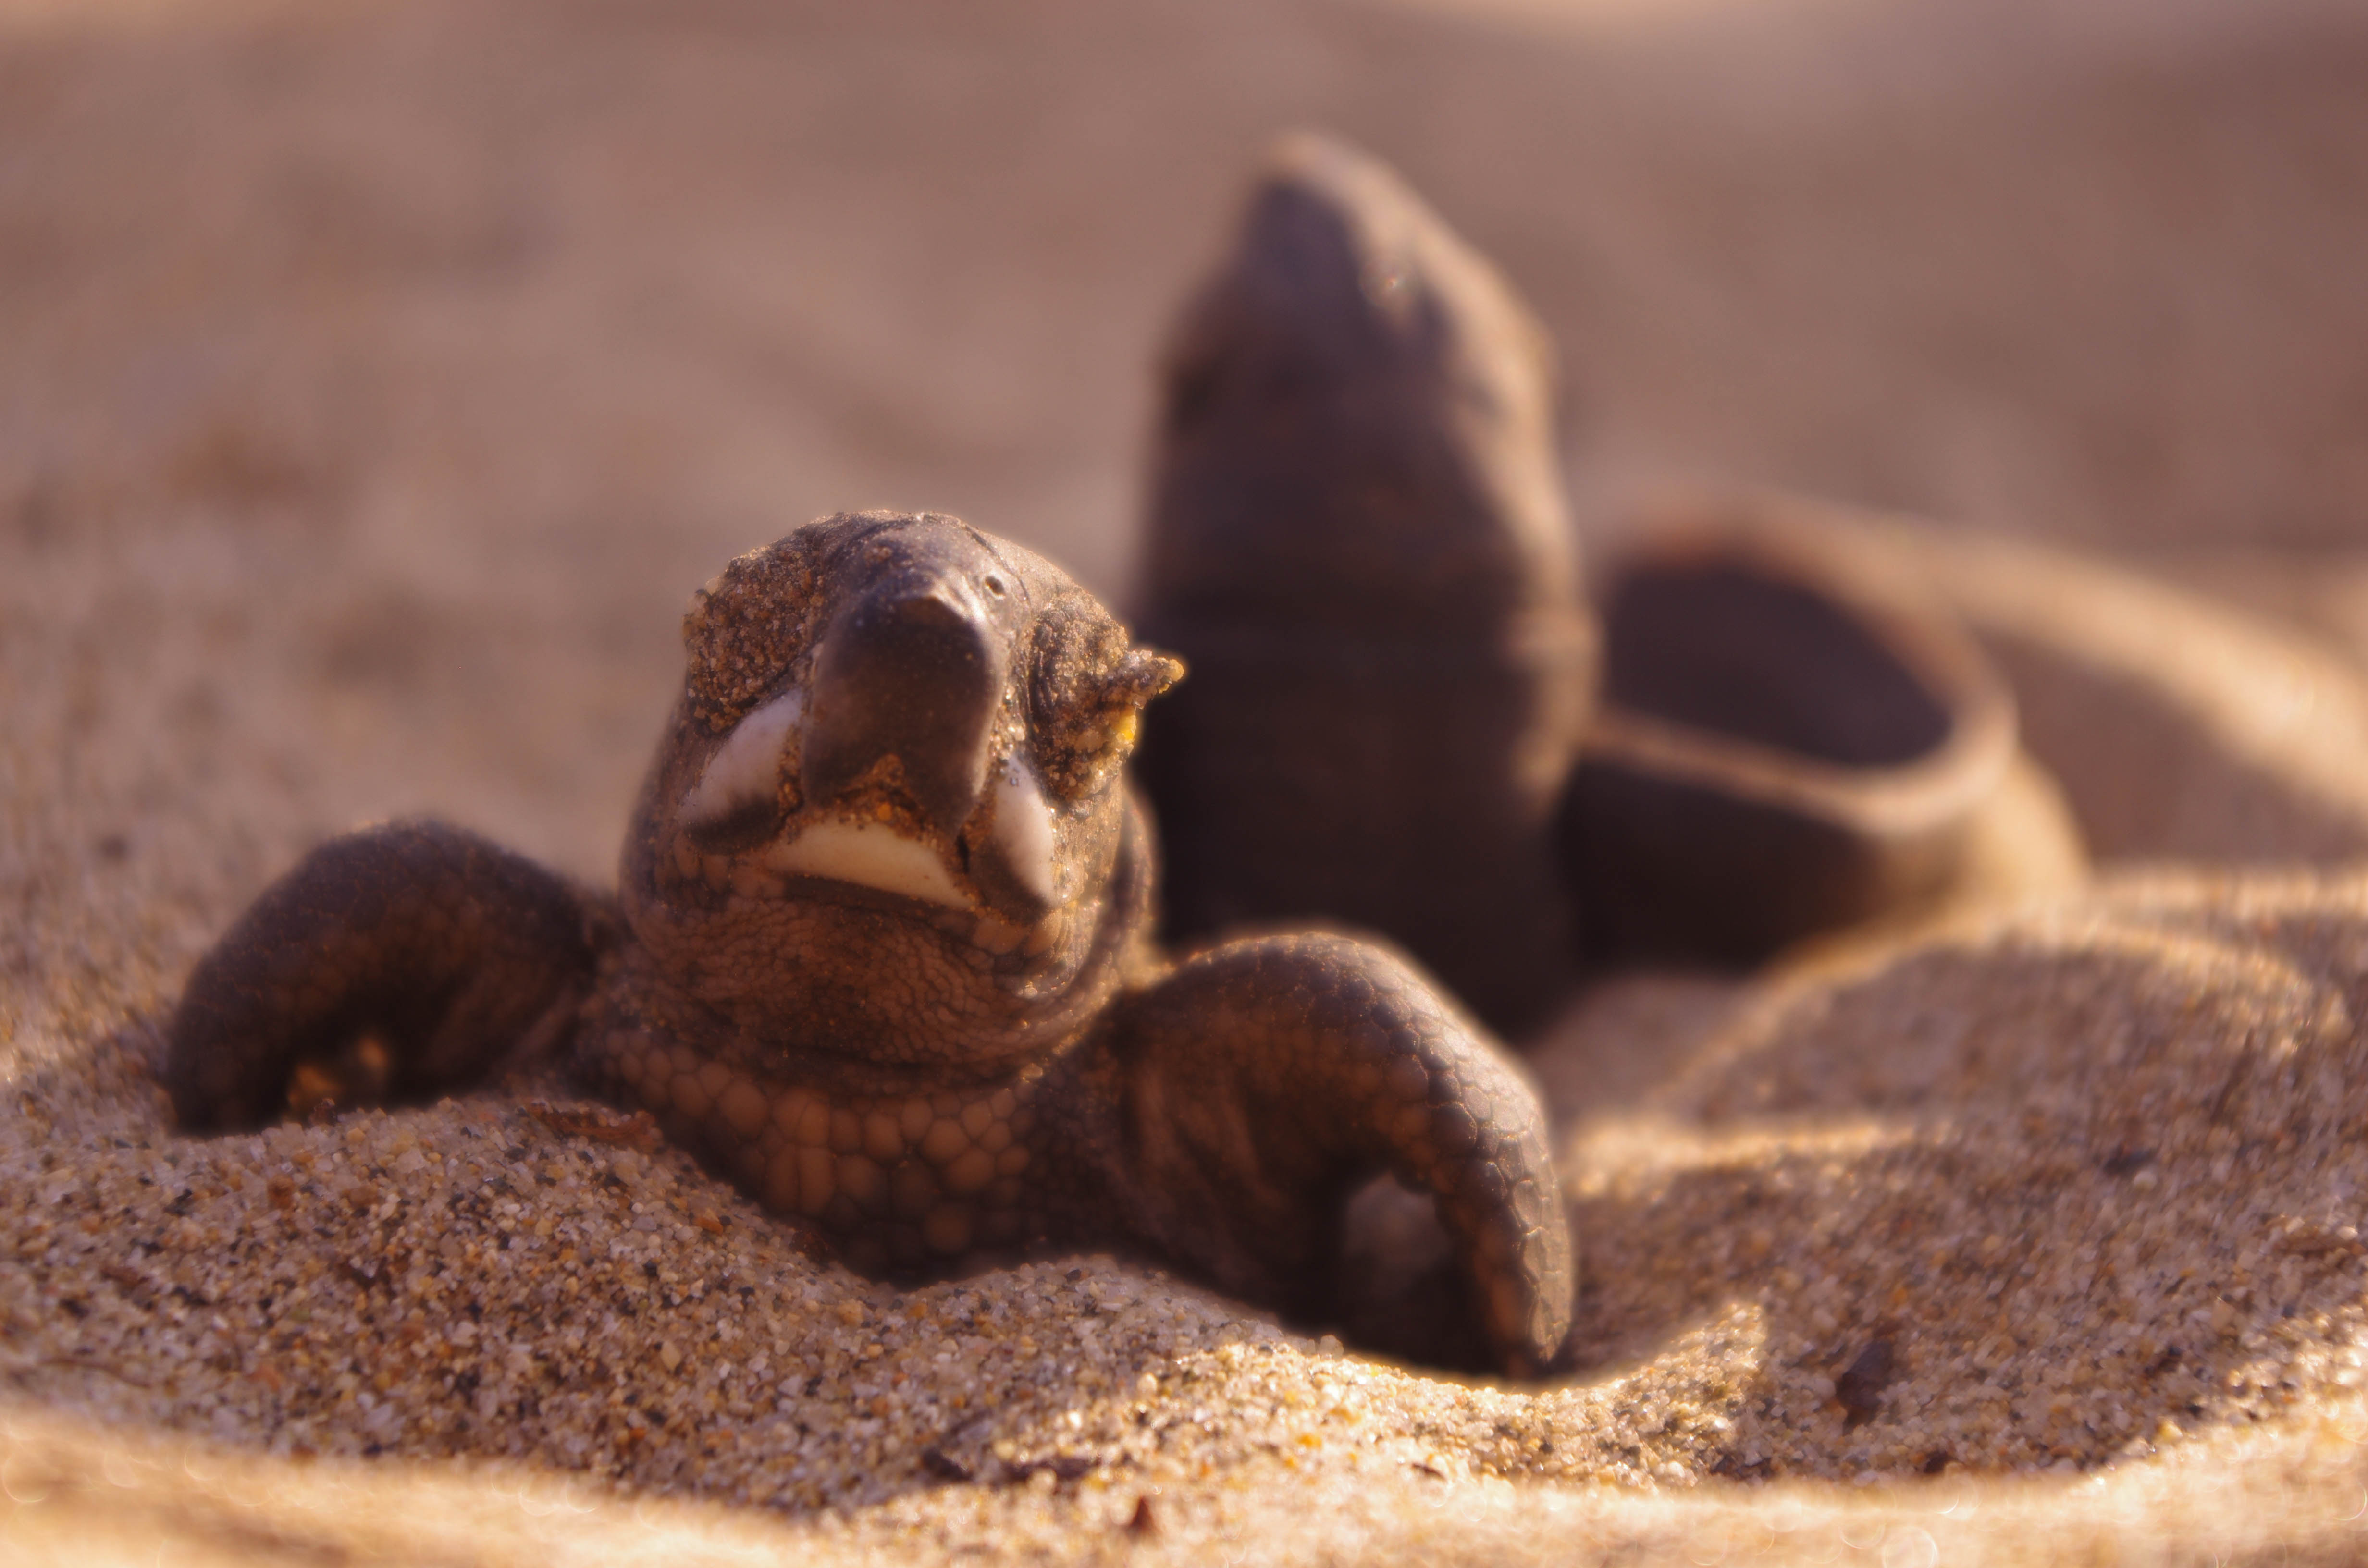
(377, 384)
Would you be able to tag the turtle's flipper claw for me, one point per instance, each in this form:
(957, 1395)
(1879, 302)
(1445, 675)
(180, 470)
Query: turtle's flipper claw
(1263, 1080)
(446, 950)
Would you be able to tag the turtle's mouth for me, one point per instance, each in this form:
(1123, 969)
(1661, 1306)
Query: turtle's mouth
(870, 854)
(882, 769)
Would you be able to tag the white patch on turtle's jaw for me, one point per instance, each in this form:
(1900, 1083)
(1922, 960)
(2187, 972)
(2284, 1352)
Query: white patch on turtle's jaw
(745, 772)
(747, 769)
(872, 855)
(1023, 831)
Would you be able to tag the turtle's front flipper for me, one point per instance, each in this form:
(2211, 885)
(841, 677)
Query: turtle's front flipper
(1264, 1080)
(448, 950)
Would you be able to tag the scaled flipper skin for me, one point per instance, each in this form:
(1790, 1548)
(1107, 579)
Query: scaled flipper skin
(1357, 541)
(883, 952)
(1264, 1078)
(450, 951)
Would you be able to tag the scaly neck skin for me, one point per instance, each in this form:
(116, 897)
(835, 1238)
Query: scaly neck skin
(904, 1173)
(854, 997)
(911, 1163)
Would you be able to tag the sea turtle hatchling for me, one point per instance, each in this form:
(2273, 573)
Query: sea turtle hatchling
(882, 950)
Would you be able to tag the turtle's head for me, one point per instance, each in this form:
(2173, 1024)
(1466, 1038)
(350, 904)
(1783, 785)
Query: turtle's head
(890, 821)
(1357, 432)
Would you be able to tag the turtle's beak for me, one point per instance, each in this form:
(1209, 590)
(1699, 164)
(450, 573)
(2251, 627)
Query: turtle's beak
(892, 741)
(902, 698)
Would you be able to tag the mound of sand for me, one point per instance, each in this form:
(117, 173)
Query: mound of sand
(2069, 1192)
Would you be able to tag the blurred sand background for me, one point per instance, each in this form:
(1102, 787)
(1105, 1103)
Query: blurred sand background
(376, 382)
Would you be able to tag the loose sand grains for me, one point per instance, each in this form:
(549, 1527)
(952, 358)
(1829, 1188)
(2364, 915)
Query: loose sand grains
(2052, 1193)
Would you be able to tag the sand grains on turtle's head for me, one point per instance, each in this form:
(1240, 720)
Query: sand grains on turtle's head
(904, 716)
(1091, 684)
(911, 667)
(748, 626)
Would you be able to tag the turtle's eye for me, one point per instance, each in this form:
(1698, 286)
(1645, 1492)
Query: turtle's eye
(1091, 681)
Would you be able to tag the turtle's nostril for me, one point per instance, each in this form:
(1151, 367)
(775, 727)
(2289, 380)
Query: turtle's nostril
(911, 671)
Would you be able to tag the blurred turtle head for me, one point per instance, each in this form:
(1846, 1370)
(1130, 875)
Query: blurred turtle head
(1357, 429)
